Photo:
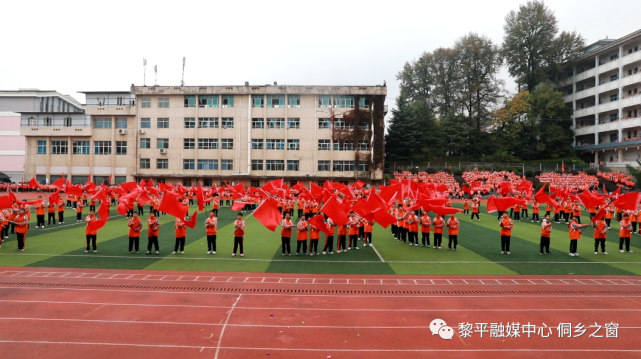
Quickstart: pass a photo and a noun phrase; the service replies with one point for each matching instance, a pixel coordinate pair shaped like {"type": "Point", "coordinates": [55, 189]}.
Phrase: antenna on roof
{"type": "Point", "coordinates": [156, 76]}
{"type": "Point", "coordinates": [182, 82]}
{"type": "Point", "coordinates": [144, 66]}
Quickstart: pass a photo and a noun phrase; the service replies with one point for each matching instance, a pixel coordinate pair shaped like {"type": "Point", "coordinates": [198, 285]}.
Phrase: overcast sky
{"type": "Point", "coordinates": [72, 46]}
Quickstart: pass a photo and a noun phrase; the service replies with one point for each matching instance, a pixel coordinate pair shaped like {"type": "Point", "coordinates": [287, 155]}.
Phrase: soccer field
{"type": "Point", "coordinates": [478, 251]}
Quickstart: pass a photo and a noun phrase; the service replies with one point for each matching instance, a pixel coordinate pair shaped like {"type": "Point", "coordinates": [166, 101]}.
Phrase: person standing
{"type": "Point", "coordinates": [329, 239]}
{"type": "Point", "coordinates": [475, 211]}
{"type": "Point", "coordinates": [524, 209]}
{"type": "Point", "coordinates": [439, 223]}
{"type": "Point", "coordinates": [353, 225]}
{"type": "Point", "coordinates": [609, 213]}
{"type": "Point", "coordinates": [40, 213]}
{"type": "Point", "coordinates": [286, 234]}
{"type": "Point", "coordinates": [92, 204]}
{"type": "Point", "coordinates": [368, 228]}
{"type": "Point", "coordinates": [634, 214]}
{"type": "Point", "coordinates": [535, 211]}
{"type": "Point", "coordinates": [452, 231]}
{"type": "Point", "coordinates": [61, 212]}
{"type": "Point", "coordinates": [301, 237]}
{"type": "Point", "coordinates": [135, 226]}
{"type": "Point", "coordinates": [314, 236]}
{"type": "Point", "coordinates": [181, 233]}
{"type": "Point", "coordinates": [575, 234]}
{"type": "Point", "coordinates": [79, 206]}
{"type": "Point", "coordinates": [21, 222]}
{"type": "Point", "coordinates": [412, 228]}
{"type": "Point", "coordinates": [624, 233]}
{"type": "Point", "coordinates": [141, 207]}
{"type": "Point", "coordinates": [576, 211]}
{"type": "Point", "coordinates": [400, 224]}
{"type": "Point", "coordinates": [91, 234]}
{"type": "Point", "coordinates": [51, 213]}
{"type": "Point", "coordinates": [153, 226]}
{"type": "Point", "coordinates": [342, 238]}
{"type": "Point", "coordinates": [215, 204]}
{"type": "Point", "coordinates": [211, 228]}
{"type": "Point", "coordinates": [239, 234]}
{"type": "Point", "coordinates": [506, 225]}
{"type": "Point", "coordinates": [600, 234]}
{"type": "Point", "coordinates": [466, 207]}
{"type": "Point", "coordinates": [426, 226]}
{"type": "Point", "coordinates": [546, 231]}
{"type": "Point", "coordinates": [4, 223]}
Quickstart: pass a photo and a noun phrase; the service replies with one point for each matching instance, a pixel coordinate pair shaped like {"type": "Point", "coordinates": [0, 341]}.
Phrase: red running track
{"type": "Point", "coordinates": [68, 313]}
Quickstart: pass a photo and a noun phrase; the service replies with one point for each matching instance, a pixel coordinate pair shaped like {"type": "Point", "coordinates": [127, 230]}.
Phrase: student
{"type": "Point", "coordinates": [412, 227]}
{"type": "Point", "coordinates": [353, 226]}
{"type": "Point", "coordinates": [301, 237]}
{"type": "Point", "coordinates": [506, 225]}
{"type": "Point", "coordinates": [367, 229]}
{"type": "Point", "coordinates": [79, 206]}
{"type": "Point", "coordinates": [342, 239]}
{"type": "Point", "coordinates": [40, 213]}
{"type": "Point", "coordinates": [535, 211]}
{"type": "Point", "coordinates": [51, 213]}
{"type": "Point", "coordinates": [524, 209]}
{"type": "Point", "coordinates": [21, 222]}
{"type": "Point", "coordinates": [141, 208]}
{"type": "Point", "coordinates": [314, 236]}
{"type": "Point", "coordinates": [475, 211]}
{"type": "Point", "coordinates": [466, 207]}
{"type": "Point", "coordinates": [576, 211]}
{"type": "Point", "coordinates": [624, 233]}
{"type": "Point", "coordinates": [329, 239]}
{"type": "Point", "coordinates": [211, 228]}
{"type": "Point", "coordinates": [400, 224]}
{"type": "Point", "coordinates": [181, 234]}
{"type": "Point", "coordinates": [600, 234]}
{"type": "Point", "coordinates": [548, 209]}
{"type": "Point", "coordinates": [239, 234]}
{"type": "Point", "coordinates": [575, 234]}
{"type": "Point", "coordinates": [91, 234]}
{"type": "Point", "coordinates": [426, 226]}
{"type": "Point", "coordinates": [608, 214]}
{"type": "Point", "coordinates": [61, 212]}
{"type": "Point", "coordinates": [286, 235]}
{"type": "Point", "coordinates": [153, 226]}
{"type": "Point", "coordinates": [215, 204]}
{"type": "Point", "coordinates": [633, 220]}
{"type": "Point", "coordinates": [3, 224]}
{"type": "Point", "coordinates": [92, 204]}
{"type": "Point", "coordinates": [452, 231]}
{"type": "Point", "coordinates": [439, 223]}
{"type": "Point", "coordinates": [517, 212]}
{"type": "Point", "coordinates": [135, 226]}
{"type": "Point", "coordinates": [546, 231]}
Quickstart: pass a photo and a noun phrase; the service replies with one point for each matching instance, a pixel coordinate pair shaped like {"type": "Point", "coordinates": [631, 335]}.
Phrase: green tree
{"type": "Point", "coordinates": [427, 131]}
{"type": "Point", "coordinates": [402, 141]}
{"type": "Point", "coordinates": [555, 122]}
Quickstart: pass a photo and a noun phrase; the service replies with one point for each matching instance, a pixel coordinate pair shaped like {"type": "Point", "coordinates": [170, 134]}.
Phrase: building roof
{"type": "Point", "coordinates": [29, 92]}
{"type": "Point", "coordinates": [607, 44]}
{"type": "Point", "coordinates": [99, 92]}
{"type": "Point", "coordinates": [262, 89]}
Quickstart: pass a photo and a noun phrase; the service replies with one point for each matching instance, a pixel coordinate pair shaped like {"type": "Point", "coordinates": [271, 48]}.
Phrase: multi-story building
{"type": "Point", "coordinates": [603, 89]}
{"type": "Point", "coordinates": [217, 134]}
{"type": "Point", "coordinates": [12, 143]}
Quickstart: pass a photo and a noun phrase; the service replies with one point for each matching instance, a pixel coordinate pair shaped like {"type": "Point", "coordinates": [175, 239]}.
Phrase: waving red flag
{"type": "Point", "coordinates": [165, 187]}
{"type": "Point", "coordinates": [170, 205]}
{"type": "Point", "coordinates": [268, 214]}
{"type": "Point", "coordinates": [383, 218]}
{"type": "Point", "coordinates": [358, 184]}
{"type": "Point", "coordinates": [375, 202]}
{"type": "Point", "coordinates": [600, 214]}
{"type": "Point", "coordinates": [5, 202]}
{"type": "Point", "coordinates": [590, 200]}
{"type": "Point", "coordinates": [33, 183]}
{"type": "Point", "coordinates": [362, 208]}
{"type": "Point", "coordinates": [616, 193]}
{"type": "Point", "coordinates": [238, 205]}
{"type": "Point", "coordinates": [334, 211]}
{"type": "Point", "coordinates": [54, 197]}
{"type": "Point", "coordinates": [103, 213]}
{"type": "Point", "coordinates": [543, 197]}
{"type": "Point", "coordinates": [524, 186]}
{"type": "Point", "coordinates": [73, 190]}
{"type": "Point", "coordinates": [318, 221]}
{"type": "Point", "coordinates": [629, 201]}
{"type": "Point", "coordinates": [191, 223]}
{"type": "Point", "coordinates": [200, 197]}
{"type": "Point", "coordinates": [442, 210]}
{"type": "Point", "coordinates": [59, 182]}
{"type": "Point", "coordinates": [317, 191]}
{"type": "Point", "coordinates": [143, 199]}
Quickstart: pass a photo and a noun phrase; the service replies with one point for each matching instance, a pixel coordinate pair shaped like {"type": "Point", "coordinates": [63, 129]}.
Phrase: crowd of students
{"type": "Point", "coordinates": [618, 178]}
{"type": "Point", "coordinates": [580, 181]}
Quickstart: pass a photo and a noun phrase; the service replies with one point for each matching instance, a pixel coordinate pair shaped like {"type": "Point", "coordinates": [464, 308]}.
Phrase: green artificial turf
{"type": "Point", "coordinates": [478, 251]}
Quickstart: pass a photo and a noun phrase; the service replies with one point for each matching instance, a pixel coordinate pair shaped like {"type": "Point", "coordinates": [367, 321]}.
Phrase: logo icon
{"type": "Point", "coordinates": [440, 328]}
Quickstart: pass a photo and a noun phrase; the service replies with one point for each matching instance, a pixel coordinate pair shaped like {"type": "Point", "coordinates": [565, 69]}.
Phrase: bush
{"type": "Point", "coordinates": [537, 173]}
{"type": "Point", "coordinates": [430, 170]}
{"type": "Point", "coordinates": [574, 172]}
{"type": "Point", "coordinates": [457, 172]}
{"type": "Point", "coordinates": [591, 172]}
{"type": "Point", "coordinates": [447, 170]}
{"type": "Point", "coordinates": [529, 173]}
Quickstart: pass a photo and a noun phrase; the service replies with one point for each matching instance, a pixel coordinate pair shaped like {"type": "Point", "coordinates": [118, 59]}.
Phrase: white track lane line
{"type": "Point", "coordinates": [222, 331]}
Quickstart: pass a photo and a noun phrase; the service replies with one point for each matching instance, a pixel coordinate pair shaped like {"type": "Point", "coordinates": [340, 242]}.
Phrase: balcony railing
{"type": "Point", "coordinates": [55, 122]}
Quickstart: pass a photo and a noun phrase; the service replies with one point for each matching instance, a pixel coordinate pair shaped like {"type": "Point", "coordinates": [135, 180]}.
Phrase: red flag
{"type": "Point", "coordinates": [442, 210]}
{"type": "Point", "coordinates": [101, 195]}
{"type": "Point", "coordinates": [383, 218]}
{"type": "Point", "coordinates": [129, 186]}
{"type": "Point", "coordinates": [103, 213]}
{"type": "Point", "coordinates": [33, 183]}
{"type": "Point", "coordinates": [318, 221]}
{"type": "Point", "coordinates": [600, 214]}
{"type": "Point", "coordinates": [376, 202]}
{"type": "Point", "coordinates": [505, 187]}
{"type": "Point", "coordinates": [12, 196]}
{"type": "Point", "coordinates": [143, 199]}
{"type": "Point", "coordinates": [268, 214]}
{"type": "Point", "coordinates": [165, 187]}
{"type": "Point", "coordinates": [111, 176]}
{"type": "Point", "coordinates": [170, 205]}
{"type": "Point", "coordinates": [150, 183]}
{"type": "Point", "coordinates": [590, 200]}
{"type": "Point", "coordinates": [334, 211]}
{"type": "Point", "coordinates": [387, 192]}
{"type": "Point", "coordinates": [73, 190]}
{"type": "Point", "coordinates": [328, 185]}
{"type": "Point", "coordinates": [238, 205]}
{"type": "Point", "coordinates": [89, 179]}
{"type": "Point", "coordinates": [5, 202]}
{"type": "Point", "coordinates": [362, 208]}
{"type": "Point", "coordinates": [347, 191]}
{"type": "Point", "coordinates": [616, 193]}
{"type": "Point", "coordinates": [142, 183]}
{"type": "Point", "coordinates": [524, 186]}
{"type": "Point", "coordinates": [191, 223]}
{"type": "Point", "coordinates": [200, 197]}
{"type": "Point", "coordinates": [629, 201]}
{"type": "Point", "coordinates": [122, 208]}
{"type": "Point", "coordinates": [55, 197]}
{"type": "Point", "coordinates": [543, 197]}
{"type": "Point", "coordinates": [442, 188]}
{"type": "Point", "coordinates": [358, 184]}
{"type": "Point", "coordinates": [59, 182]}
{"type": "Point", "coordinates": [476, 184]}
{"type": "Point", "coordinates": [317, 191]}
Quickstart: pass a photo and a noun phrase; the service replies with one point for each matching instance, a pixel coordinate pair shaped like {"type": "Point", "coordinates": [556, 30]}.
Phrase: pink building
{"type": "Point", "coordinates": [12, 147]}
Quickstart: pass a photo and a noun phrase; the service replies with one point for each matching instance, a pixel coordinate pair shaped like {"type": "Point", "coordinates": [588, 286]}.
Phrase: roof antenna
{"type": "Point", "coordinates": [182, 82]}
{"type": "Point", "coordinates": [144, 76]}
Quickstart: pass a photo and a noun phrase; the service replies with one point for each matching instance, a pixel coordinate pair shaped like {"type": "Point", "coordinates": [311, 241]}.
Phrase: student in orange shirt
{"type": "Point", "coordinates": [368, 228]}
{"type": "Point", "coordinates": [51, 213]}
{"type": "Point", "coordinates": [79, 206]}
{"type": "Point", "coordinates": [452, 231]}
{"type": "Point", "coordinates": [608, 214]}
{"type": "Point", "coordinates": [91, 234]}
{"type": "Point", "coordinates": [506, 225]}
{"type": "Point", "coordinates": [239, 234]}
{"type": "Point", "coordinates": [624, 233]}
{"type": "Point", "coordinates": [135, 226]}
{"type": "Point", "coordinates": [61, 212]}
{"type": "Point", "coordinates": [211, 228]}
{"type": "Point", "coordinates": [215, 204]}
{"type": "Point", "coordinates": [401, 228]}
{"type": "Point", "coordinates": [301, 237]}
{"type": "Point", "coordinates": [40, 213]}
{"type": "Point", "coordinates": [353, 226]}
{"type": "Point", "coordinates": [4, 224]}
{"type": "Point", "coordinates": [342, 239]}
{"type": "Point", "coordinates": [546, 232]}
{"type": "Point", "coordinates": [314, 236]}
{"type": "Point", "coordinates": [535, 211]}
{"type": "Point", "coordinates": [329, 239]}
{"type": "Point", "coordinates": [286, 234]}
{"type": "Point", "coordinates": [181, 234]}
{"type": "Point", "coordinates": [475, 211]}
{"type": "Point", "coordinates": [439, 223]}
{"type": "Point", "coordinates": [21, 222]}
{"type": "Point", "coordinates": [426, 226]}
{"type": "Point", "coordinates": [600, 234]}
{"type": "Point", "coordinates": [153, 226]}
{"type": "Point", "coordinates": [575, 230]}
{"type": "Point", "coordinates": [466, 207]}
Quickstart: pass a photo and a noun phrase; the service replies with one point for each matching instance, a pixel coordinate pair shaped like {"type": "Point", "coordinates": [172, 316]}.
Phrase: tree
{"type": "Point", "coordinates": [402, 141]}
{"type": "Point", "coordinates": [555, 122]}
{"type": "Point", "coordinates": [427, 131]}
{"type": "Point", "coordinates": [416, 78]}
{"type": "Point", "coordinates": [445, 69]}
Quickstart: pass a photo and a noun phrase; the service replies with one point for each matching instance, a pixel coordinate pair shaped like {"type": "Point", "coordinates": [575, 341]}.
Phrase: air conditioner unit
{"type": "Point", "coordinates": [142, 132]}
{"type": "Point", "coordinates": [163, 151]}
{"type": "Point", "coordinates": [122, 131]}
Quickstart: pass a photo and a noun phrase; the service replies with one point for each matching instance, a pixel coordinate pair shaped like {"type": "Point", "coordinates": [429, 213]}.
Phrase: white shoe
{"type": "Point", "coordinates": [324, 252]}
{"type": "Point", "coordinates": [331, 252]}
{"type": "Point", "coordinates": [213, 252]}
{"type": "Point", "coordinates": [621, 251]}
{"type": "Point", "coordinates": [95, 251]}
{"type": "Point", "coordinates": [576, 254]}
{"type": "Point", "coordinates": [509, 252]}
{"type": "Point", "coordinates": [157, 252]}
{"type": "Point", "coordinates": [502, 252]}
{"type": "Point", "coordinates": [174, 252]}
{"type": "Point", "coordinates": [596, 252]}
{"type": "Point", "coordinates": [605, 252]}
{"type": "Point", "coordinates": [182, 252]}
{"type": "Point", "coordinates": [242, 255]}
{"type": "Point", "coordinates": [86, 251]}
{"type": "Point", "coordinates": [208, 252]}
{"type": "Point", "coordinates": [356, 248]}
{"type": "Point", "coordinates": [571, 254]}
{"type": "Point", "coordinates": [439, 247]}
{"type": "Point", "coordinates": [233, 254]}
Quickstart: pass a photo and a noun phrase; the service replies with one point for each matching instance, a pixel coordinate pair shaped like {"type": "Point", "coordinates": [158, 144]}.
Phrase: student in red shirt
{"type": "Point", "coordinates": [153, 225]}
{"type": "Point", "coordinates": [301, 228]}
{"type": "Point", "coordinates": [342, 239]}
{"type": "Point", "coordinates": [368, 227]}
{"type": "Point", "coordinates": [91, 234]}
{"type": "Point", "coordinates": [452, 231]}
{"type": "Point", "coordinates": [239, 233]}
{"type": "Point", "coordinates": [546, 232]}
{"type": "Point", "coordinates": [600, 234]}
{"type": "Point", "coordinates": [135, 226]}
{"type": "Point", "coordinates": [329, 239]}
{"type": "Point", "coordinates": [353, 225]}
{"type": "Point", "coordinates": [506, 225]}
{"type": "Point", "coordinates": [286, 234]}
{"type": "Point", "coordinates": [181, 234]}
{"type": "Point", "coordinates": [21, 222]}
{"type": "Point", "coordinates": [575, 234]}
{"type": "Point", "coordinates": [314, 236]}
{"type": "Point", "coordinates": [211, 228]}
{"type": "Point", "coordinates": [426, 226]}
{"type": "Point", "coordinates": [40, 213]}
{"type": "Point", "coordinates": [624, 234]}
{"type": "Point", "coordinates": [51, 213]}
{"type": "Point", "coordinates": [439, 223]}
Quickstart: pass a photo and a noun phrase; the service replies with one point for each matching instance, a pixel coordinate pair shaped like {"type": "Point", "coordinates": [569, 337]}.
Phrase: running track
{"type": "Point", "coordinates": [64, 313]}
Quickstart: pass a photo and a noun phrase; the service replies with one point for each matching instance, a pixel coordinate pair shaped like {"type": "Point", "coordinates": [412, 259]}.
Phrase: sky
{"type": "Point", "coordinates": [72, 46]}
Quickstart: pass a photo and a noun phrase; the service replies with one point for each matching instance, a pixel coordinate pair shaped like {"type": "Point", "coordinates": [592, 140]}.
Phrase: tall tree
{"type": "Point", "coordinates": [445, 69]}
{"type": "Point", "coordinates": [555, 122]}
{"type": "Point", "coordinates": [402, 142]}
{"type": "Point", "coordinates": [416, 78]}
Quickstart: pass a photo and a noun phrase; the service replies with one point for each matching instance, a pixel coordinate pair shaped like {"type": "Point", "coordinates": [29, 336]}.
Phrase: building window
{"type": "Point", "coordinates": [258, 101]}
{"type": "Point", "coordinates": [346, 101]}
{"type": "Point", "coordinates": [162, 143]}
{"type": "Point", "coordinates": [80, 147]}
{"type": "Point", "coordinates": [275, 123]}
{"type": "Point", "coordinates": [101, 147]}
{"type": "Point", "coordinates": [257, 165]}
{"type": "Point", "coordinates": [227, 165]}
{"type": "Point", "coordinates": [188, 164]}
{"type": "Point", "coordinates": [121, 123]}
{"type": "Point", "coordinates": [49, 122]}
{"type": "Point", "coordinates": [324, 145]}
{"type": "Point", "coordinates": [190, 100]}
{"type": "Point", "coordinates": [293, 145]}
{"type": "Point", "coordinates": [145, 123]}
{"type": "Point", "coordinates": [292, 165]}
{"type": "Point", "coordinates": [363, 102]}
{"type": "Point", "coordinates": [59, 147]}
{"type": "Point", "coordinates": [101, 123]}
{"type": "Point", "coordinates": [146, 102]}
{"type": "Point", "coordinates": [228, 122]}
{"type": "Point", "coordinates": [228, 100]}
{"type": "Point", "coordinates": [258, 144]}
{"type": "Point", "coordinates": [163, 102]}
{"type": "Point", "coordinates": [118, 101]}
{"type": "Point", "coordinates": [227, 143]}
{"type": "Point", "coordinates": [276, 101]}
{"type": "Point", "coordinates": [614, 97]}
{"type": "Point", "coordinates": [293, 101]}
{"type": "Point", "coordinates": [162, 163]}
{"type": "Point", "coordinates": [344, 166]}
{"type": "Point", "coordinates": [275, 165]}
{"type": "Point", "coordinates": [207, 143]}
{"type": "Point", "coordinates": [363, 167]}
{"type": "Point", "coordinates": [207, 182]}
{"type": "Point", "coordinates": [324, 123]}
{"type": "Point", "coordinates": [163, 123]}
{"type": "Point", "coordinates": [207, 122]}
{"type": "Point", "coordinates": [189, 143]}
{"type": "Point", "coordinates": [258, 123]}
{"type": "Point", "coordinates": [275, 144]}
{"type": "Point", "coordinates": [340, 124]}
{"type": "Point", "coordinates": [293, 123]}
{"type": "Point", "coordinates": [145, 143]}
{"type": "Point", "coordinates": [614, 77]}
{"type": "Point", "coordinates": [208, 101]}
{"type": "Point", "coordinates": [255, 183]}
{"type": "Point", "coordinates": [363, 145]}
{"type": "Point", "coordinates": [613, 117]}
{"type": "Point", "coordinates": [343, 145]}
{"type": "Point", "coordinates": [190, 122]}
{"type": "Point", "coordinates": [324, 166]}
{"type": "Point", "coordinates": [363, 125]}
{"type": "Point", "coordinates": [145, 163]}
{"type": "Point", "coordinates": [42, 147]}
{"type": "Point", "coordinates": [325, 101]}
{"type": "Point", "coordinates": [121, 147]}
{"type": "Point", "coordinates": [187, 182]}
{"type": "Point", "coordinates": [68, 122]}
{"type": "Point", "coordinates": [207, 164]}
